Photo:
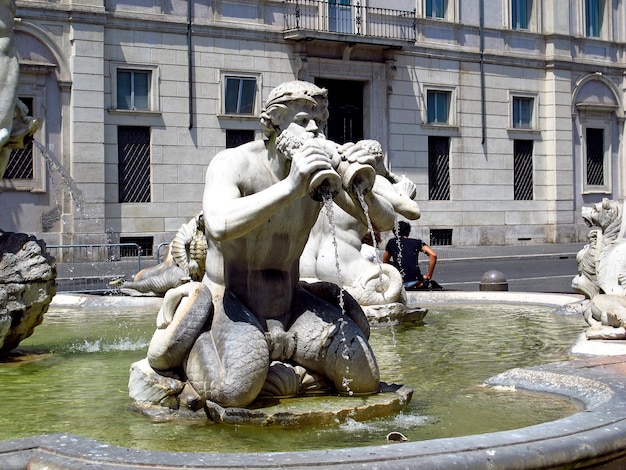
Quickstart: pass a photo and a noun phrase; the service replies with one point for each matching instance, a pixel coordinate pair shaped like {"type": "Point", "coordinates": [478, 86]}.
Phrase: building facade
{"type": "Point", "coordinates": [507, 114]}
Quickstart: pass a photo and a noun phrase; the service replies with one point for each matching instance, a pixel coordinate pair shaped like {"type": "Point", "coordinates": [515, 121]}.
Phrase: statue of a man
{"type": "Point", "coordinates": [258, 212]}
{"type": "Point", "coordinates": [9, 74]}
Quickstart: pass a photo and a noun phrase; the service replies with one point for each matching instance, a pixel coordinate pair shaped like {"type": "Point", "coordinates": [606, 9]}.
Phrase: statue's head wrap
{"type": "Point", "coordinates": [284, 94]}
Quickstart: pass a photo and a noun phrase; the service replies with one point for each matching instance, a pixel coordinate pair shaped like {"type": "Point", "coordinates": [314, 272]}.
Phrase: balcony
{"type": "Point", "coordinates": [334, 21]}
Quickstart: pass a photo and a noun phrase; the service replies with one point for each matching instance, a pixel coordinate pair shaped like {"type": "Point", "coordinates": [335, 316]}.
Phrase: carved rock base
{"type": "Point", "coordinates": [313, 410]}
{"type": "Point", "coordinates": [27, 286]}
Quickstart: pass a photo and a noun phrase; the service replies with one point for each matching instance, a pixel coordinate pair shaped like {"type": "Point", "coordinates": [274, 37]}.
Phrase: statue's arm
{"type": "Point", "coordinates": [399, 195]}
{"type": "Point", "coordinates": [231, 215]}
{"type": "Point", "coordinates": [379, 210]}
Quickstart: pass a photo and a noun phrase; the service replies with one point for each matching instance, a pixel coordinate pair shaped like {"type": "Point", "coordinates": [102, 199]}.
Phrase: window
{"type": "Point", "coordinates": [436, 8]}
{"type": "Point", "coordinates": [239, 95]}
{"type": "Point", "coordinates": [237, 137]}
{"type": "Point", "coordinates": [340, 16]}
{"type": "Point", "coordinates": [438, 168]}
{"type": "Point", "coordinates": [143, 243]}
{"type": "Point", "coordinates": [523, 112]}
{"type": "Point", "coordinates": [441, 237]}
{"type": "Point", "coordinates": [594, 13]}
{"type": "Point", "coordinates": [595, 167]}
{"type": "Point", "coordinates": [520, 14]}
{"type": "Point", "coordinates": [438, 107]}
{"type": "Point", "coordinates": [133, 89]}
{"type": "Point", "coordinates": [523, 170]}
{"type": "Point", "coordinates": [21, 160]}
{"type": "Point", "coordinates": [133, 163]}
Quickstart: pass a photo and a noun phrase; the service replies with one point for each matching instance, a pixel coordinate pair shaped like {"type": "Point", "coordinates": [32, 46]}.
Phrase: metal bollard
{"type": "Point", "coordinates": [493, 280]}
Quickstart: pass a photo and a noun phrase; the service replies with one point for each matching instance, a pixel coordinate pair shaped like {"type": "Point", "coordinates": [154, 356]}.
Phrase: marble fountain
{"type": "Point", "coordinates": [238, 324]}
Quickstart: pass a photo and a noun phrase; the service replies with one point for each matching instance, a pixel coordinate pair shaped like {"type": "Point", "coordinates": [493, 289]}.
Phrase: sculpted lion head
{"type": "Point", "coordinates": [606, 215]}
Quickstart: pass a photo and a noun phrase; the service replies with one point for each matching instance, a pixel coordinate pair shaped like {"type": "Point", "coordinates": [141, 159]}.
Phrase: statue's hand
{"type": "Point", "coordinates": [307, 160]}
{"type": "Point", "coordinates": [405, 187]}
{"type": "Point", "coordinates": [281, 344]}
{"type": "Point", "coordinates": [357, 153]}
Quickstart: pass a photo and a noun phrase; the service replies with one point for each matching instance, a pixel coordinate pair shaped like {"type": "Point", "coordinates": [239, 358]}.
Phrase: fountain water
{"type": "Point", "coordinates": [449, 394]}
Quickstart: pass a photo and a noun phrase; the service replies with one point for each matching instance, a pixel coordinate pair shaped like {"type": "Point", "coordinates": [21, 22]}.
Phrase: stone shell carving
{"type": "Point", "coordinates": [189, 248]}
{"type": "Point", "coordinates": [185, 261]}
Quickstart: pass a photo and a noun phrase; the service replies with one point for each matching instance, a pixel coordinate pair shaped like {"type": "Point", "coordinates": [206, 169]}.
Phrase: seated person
{"type": "Point", "coordinates": [403, 252]}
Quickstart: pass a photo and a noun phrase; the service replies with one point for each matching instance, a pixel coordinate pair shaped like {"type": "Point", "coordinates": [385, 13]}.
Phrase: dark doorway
{"type": "Point", "coordinates": [345, 105]}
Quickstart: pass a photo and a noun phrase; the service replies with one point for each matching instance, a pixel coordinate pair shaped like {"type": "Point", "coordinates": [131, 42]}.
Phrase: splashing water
{"type": "Point", "coordinates": [99, 345]}
{"type": "Point", "coordinates": [55, 167]}
{"type": "Point", "coordinates": [327, 200]}
{"type": "Point", "coordinates": [380, 288]}
{"type": "Point", "coordinates": [370, 227]}
{"type": "Point", "coordinates": [396, 229]}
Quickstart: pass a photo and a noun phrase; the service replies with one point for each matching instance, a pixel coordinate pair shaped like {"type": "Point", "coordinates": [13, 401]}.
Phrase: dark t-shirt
{"type": "Point", "coordinates": [404, 253]}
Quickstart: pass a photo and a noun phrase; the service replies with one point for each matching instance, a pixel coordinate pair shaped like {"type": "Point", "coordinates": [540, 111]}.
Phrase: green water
{"type": "Point", "coordinates": [76, 381]}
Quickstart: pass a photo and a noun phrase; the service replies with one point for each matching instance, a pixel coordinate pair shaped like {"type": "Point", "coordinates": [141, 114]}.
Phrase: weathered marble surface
{"type": "Point", "coordinates": [333, 250]}
{"type": "Point", "coordinates": [27, 286]}
{"type": "Point", "coordinates": [184, 261]}
{"type": "Point", "coordinates": [602, 270]}
{"type": "Point", "coordinates": [251, 328]}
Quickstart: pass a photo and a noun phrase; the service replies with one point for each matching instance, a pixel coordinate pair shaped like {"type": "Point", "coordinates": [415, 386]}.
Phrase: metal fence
{"type": "Point", "coordinates": [90, 268]}
{"type": "Point", "coordinates": [335, 17]}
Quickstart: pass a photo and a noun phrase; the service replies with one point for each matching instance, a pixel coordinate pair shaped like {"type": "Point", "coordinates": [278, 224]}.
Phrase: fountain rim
{"type": "Point", "coordinates": [593, 436]}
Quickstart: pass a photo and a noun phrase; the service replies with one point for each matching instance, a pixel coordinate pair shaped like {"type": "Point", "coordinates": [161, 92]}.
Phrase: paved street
{"type": "Point", "coordinates": [527, 268]}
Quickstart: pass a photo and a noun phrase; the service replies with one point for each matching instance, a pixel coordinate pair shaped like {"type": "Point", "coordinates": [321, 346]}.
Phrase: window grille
{"type": "Point", "coordinates": [145, 244]}
{"type": "Point", "coordinates": [21, 160]}
{"type": "Point", "coordinates": [133, 89]}
{"type": "Point", "coordinates": [239, 95]}
{"type": "Point", "coordinates": [20, 164]}
{"type": "Point", "coordinates": [436, 8]}
{"type": "Point", "coordinates": [438, 168]}
{"type": "Point", "coordinates": [438, 106]}
{"type": "Point", "coordinates": [523, 170]}
{"type": "Point", "coordinates": [520, 13]}
{"type": "Point", "coordinates": [133, 164]}
{"type": "Point", "coordinates": [441, 236]}
{"type": "Point", "coordinates": [595, 157]}
{"type": "Point", "coordinates": [237, 137]}
{"type": "Point", "coordinates": [522, 112]}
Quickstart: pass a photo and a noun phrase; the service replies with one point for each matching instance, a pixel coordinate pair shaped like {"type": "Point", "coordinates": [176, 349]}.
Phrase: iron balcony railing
{"type": "Point", "coordinates": [354, 20]}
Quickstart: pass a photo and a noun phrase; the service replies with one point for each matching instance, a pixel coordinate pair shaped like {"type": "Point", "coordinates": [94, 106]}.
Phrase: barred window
{"type": "Point", "coordinates": [523, 170]}
{"type": "Point", "coordinates": [438, 168]}
{"type": "Point", "coordinates": [143, 243]}
{"type": "Point", "coordinates": [239, 95]}
{"type": "Point", "coordinates": [440, 236]}
{"type": "Point", "coordinates": [133, 163]}
{"type": "Point", "coordinates": [595, 157]}
{"type": "Point", "coordinates": [21, 161]}
{"type": "Point", "coordinates": [237, 137]}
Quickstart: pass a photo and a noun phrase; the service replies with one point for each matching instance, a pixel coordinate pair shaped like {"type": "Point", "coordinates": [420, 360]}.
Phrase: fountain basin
{"type": "Point", "coordinates": [594, 437]}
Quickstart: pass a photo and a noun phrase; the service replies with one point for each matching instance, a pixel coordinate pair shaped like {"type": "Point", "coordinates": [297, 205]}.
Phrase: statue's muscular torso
{"type": "Point", "coordinates": [262, 266]}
